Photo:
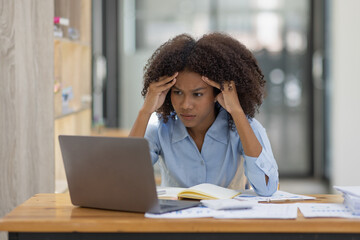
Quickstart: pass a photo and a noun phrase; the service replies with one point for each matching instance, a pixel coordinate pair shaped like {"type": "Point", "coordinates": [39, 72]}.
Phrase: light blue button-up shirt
{"type": "Point", "coordinates": [185, 166]}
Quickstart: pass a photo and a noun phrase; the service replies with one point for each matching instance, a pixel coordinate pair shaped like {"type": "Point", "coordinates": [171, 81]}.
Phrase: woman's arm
{"type": "Point", "coordinates": [154, 99]}
{"type": "Point", "coordinates": [250, 143]}
{"type": "Point", "coordinates": [139, 127]}
{"type": "Point", "coordinates": [229, 100]}
{"type": "Point", "coordinates": [263, 164]}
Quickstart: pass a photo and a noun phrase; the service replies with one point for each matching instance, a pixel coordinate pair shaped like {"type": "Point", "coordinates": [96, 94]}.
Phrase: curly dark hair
{"type": "Point", "coordinates": [217, 56]}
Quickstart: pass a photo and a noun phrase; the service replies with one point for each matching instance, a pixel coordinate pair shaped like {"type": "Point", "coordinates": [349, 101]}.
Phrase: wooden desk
{"type": "Point", "coordinates": [52, 216]}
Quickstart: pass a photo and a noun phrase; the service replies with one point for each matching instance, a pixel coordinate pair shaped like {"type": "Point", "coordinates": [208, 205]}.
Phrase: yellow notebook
{"type": "Point", "coordinates": [208, 191]}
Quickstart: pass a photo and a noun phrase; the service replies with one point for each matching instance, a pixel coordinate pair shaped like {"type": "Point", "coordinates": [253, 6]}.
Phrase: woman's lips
{"type": "Point", "coordinates": [187, 117]}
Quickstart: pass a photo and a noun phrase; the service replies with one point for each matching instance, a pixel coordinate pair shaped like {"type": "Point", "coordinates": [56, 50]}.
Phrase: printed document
{"type": "Point", "coordinates": [259, 211]}
{"type": "Point", "coordinates": [311, 210]}
{"type": "Point", "coordinates": [195, 212]}
{"type": "Point", "coordinates": [262, 211]}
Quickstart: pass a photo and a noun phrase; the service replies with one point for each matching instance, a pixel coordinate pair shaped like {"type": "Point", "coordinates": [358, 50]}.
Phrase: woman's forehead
{"type": "Point", "coordinates": [190, 81]}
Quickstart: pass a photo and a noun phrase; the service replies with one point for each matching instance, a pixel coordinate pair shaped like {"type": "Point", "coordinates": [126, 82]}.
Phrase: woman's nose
{"type": "Point", "coordinates": [186, 103]}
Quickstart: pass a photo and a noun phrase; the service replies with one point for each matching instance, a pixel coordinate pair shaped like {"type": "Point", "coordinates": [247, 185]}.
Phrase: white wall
{"type": "Point", "coordinates": [131, 64]}
{"type": "Point", "coordinates": [345, 92]}
{"type": "Point", "coordinates": [130, 89]}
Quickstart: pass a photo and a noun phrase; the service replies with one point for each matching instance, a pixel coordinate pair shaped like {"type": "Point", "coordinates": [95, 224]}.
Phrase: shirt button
{"type": "Point", "coordinates": [262, 165]}
{"type": "Point", "coordinates": [202, 162]}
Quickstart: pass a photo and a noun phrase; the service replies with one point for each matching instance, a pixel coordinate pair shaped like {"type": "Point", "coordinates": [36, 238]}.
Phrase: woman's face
{"type": "Point", "coordinates": [193, 101]}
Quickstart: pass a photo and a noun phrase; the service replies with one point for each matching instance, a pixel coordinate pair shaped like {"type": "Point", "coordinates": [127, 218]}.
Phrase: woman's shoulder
{"type": "Point", "coordinates": [254, 122]}
{"type": "Point", "coordinates": [256, 125]}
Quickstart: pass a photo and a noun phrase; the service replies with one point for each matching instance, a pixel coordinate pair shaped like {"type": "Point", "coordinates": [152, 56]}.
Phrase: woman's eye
{"type": "Point", "coordinates": [198, 94]}
{"type": "Point", "coordinates": [177, 92]}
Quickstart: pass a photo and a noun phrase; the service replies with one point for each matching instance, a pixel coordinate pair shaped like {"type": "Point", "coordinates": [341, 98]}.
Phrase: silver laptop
{"type": "Point", "coordinates": [113, 173]}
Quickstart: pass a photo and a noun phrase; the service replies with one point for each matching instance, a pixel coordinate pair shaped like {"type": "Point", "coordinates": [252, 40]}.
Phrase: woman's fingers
{"type": "Point", "coordinates": [156, 94]}
{"type": "Point", "coordinates": [167, 86]}
{"type": "Point", "coordinates": [229, 86]}
{"type": "Point", "coordinates": [210, 82]}
{"type": "Point", "coordinates": [164, 83]}
{"type": "Point", "coordinates": [166, 79]}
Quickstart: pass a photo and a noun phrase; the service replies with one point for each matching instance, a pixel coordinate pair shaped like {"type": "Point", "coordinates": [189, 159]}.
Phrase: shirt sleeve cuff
{"type": "Point", "coordinates": [257, 168]}
{"type": "Point", "coordinates": [263, 162]}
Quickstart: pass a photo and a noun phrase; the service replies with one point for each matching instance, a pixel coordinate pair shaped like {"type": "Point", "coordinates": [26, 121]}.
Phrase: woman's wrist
{"type": "Point", "coordinates": [237, 112]}
{"type": "Point", "coordinates": [145, 112]}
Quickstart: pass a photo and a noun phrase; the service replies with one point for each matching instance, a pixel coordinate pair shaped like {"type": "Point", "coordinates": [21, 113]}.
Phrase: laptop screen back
{"type": "Point", "coordinates": [109, 173]}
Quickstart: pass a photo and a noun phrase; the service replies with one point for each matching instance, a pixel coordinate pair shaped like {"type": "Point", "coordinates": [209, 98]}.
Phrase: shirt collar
{"type": "Point", "coordinates": [218, 130]}
{"type": "Point", "coordinates": [179, 131]}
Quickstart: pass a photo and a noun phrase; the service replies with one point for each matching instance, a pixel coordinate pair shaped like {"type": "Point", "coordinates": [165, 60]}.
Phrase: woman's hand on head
{"type": "Point", "coordinates": [157, 92]}
{"type": "Point", "coordinates": [228, 97]}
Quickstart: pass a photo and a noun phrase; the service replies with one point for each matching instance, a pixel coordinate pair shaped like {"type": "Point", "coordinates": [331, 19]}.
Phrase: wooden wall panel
{"type": "Point", "coordinates": [85, 22]}
{"type": "Point", "coordinates": [26, 101]}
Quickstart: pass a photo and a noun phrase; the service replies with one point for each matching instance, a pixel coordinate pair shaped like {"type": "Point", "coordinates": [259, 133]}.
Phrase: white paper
{"type": "Point", "coordinates": [250, 194]}
{"type": "Point", "coordinates": [262, 211]}
{"type": "Point", "coordinates": [312, 210]}
{"type": "Point", "coordinates": [228, 204]}
{"type": "Point", "coordinates": [351, 196]}
{"type": "Point", "coordinates": [195, 212]}
{"type": "Point", "coordinates": [351, 190]}
{"type": "Point", "coordinates": [353, 203]}
{"type": "Point", "coordinates": [259, 211]}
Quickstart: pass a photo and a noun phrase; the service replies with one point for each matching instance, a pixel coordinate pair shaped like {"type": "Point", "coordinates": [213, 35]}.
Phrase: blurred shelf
{"type": "Point", "coordinates": [72, 112]}
{"type": "Point", "coordinates": [67, 40]}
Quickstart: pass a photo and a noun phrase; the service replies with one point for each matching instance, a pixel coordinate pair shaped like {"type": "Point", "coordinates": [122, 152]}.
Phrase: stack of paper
{"type": "Point", "coordinates": [351, 197]}
{"type": "Point", "coordinates": [244, 206]}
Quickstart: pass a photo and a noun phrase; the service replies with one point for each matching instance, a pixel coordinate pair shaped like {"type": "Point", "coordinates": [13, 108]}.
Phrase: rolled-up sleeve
{"type": "Point", "coordinates": [264, 164]}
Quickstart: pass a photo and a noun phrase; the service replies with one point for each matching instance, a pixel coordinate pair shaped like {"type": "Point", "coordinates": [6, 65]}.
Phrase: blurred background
{"type": "Point", "coordinates": [290, 40]}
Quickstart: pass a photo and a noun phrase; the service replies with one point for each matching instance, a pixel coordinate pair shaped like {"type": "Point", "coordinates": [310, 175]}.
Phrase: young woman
{"type": "Point", "coordinates": [206, 94]}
